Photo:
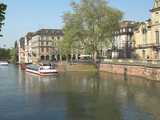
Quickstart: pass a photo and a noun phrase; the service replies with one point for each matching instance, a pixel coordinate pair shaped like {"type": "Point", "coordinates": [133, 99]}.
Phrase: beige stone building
{"type": "Point", "coordinates": [21, 50]}
{"type": "Point", "coordinates": [44, 45]}
{"type": "Point", "coordinates": [147, 36]}
{"type": "Point", "coordinates": [40, 46]}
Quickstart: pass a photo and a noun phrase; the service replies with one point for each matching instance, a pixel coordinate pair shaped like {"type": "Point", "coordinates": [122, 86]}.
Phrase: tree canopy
{"type": "Point", "coordinates": [90, 25]}
{"type": "Point", "coordinates": [4, 54]}
{"type": "Point", "coordinates": [3, 8]}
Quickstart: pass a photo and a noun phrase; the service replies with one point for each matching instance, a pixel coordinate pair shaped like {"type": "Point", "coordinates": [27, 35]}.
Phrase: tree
{"type": "Point", "coordinates": [4, 54]}
{"type": "Point", "coordinates": [13, 55]}
{"type": "Point", "coordinates": [91, 24]}
{"type": "Point", "coordinates": [73, 33]}
{"type": "Point", "coordinates": [2, 15]}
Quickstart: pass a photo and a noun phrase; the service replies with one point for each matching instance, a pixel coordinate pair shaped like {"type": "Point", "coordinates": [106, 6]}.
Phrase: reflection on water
{"type": "Point", "coordinates": [77, 96]}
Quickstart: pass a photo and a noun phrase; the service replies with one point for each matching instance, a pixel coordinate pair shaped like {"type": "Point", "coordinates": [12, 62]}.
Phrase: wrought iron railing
{"type": "Point", "coordinates": [146, 63]}
{"type": "Point", "coordinates": [148, 45]}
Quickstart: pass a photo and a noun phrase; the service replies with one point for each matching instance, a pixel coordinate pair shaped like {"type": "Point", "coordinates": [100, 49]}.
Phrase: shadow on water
{"type": "Point", "coordinates": [78, 96]}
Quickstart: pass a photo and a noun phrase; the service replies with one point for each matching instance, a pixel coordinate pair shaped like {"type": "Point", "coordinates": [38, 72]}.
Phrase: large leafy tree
{"type": "Point", "coordinates": [90, 25]}
{"type": "Point", "coordinates": [2, 15]}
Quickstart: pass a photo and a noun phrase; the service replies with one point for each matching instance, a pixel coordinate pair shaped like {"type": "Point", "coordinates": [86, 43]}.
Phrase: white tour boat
{"type": "Point", "coordinates": [3, 63]}
{"type": "Point", "coordinates": [41, 70]}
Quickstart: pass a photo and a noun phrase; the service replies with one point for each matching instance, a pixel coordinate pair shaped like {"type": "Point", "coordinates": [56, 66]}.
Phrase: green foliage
{"type": "Point", "coordinates": [3, 8]}
{"type": "Point", "coordinates": [90, 25]}
{"type": "Point", "coordinates": [13, 55]}
{"type": "Point", "coordinates": [4, 54]}
{"type": "Point", "coordinates": [8, 54]}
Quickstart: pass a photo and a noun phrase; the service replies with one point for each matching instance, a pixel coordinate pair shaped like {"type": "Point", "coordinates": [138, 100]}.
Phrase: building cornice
{"type": "Point", "coordinates": [152, 25]}
{"type": "Point", "coordinates": [155, 9]}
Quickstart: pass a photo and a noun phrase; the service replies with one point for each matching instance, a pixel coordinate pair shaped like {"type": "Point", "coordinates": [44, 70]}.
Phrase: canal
{"type": "Point", "coordinates": [76, 96]}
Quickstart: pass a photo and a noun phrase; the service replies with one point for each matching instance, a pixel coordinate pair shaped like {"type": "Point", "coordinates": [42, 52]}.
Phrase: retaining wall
{"type": "Point", "coordinates": [140, 71]}
{"type": "Point", "coordinates": [76, 67]}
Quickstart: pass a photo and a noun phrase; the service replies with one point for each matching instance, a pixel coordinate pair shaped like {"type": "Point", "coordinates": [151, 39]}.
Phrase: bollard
{"type": "Point", "coordinates": [125, 73]}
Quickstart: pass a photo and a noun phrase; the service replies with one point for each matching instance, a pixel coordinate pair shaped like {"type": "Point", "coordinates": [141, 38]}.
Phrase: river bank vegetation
{"type": "Point", "coordinates": [8, 54]}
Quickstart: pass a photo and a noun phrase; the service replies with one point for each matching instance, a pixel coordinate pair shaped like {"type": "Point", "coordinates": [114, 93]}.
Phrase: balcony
{"type": "Point", "coordinates": [151, 45]}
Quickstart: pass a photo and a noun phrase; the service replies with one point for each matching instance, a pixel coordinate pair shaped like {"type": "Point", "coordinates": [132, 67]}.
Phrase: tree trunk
{"type": "Point", "coordinates": [95, 56]}
{"type": "Point", "coordinates": [76, 57]}
{"type": "Point", "coordinates": [60, 58]}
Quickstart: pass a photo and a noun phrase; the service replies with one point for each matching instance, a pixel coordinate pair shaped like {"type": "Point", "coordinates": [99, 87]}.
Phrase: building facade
{"type": "Point", "coordinates": [40, 46]}
{"type": "Point", "coordinates": [122, 40]}
{"type": "Point", "coordinates": [147, 36]}
{"type": "Point", "coordinates": [21, 50]}
{"type": "Point", "coordinates": [44, 45]}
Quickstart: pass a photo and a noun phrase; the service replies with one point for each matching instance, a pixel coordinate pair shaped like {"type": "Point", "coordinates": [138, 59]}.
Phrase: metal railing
{"type": "Point", "coordinates": [148, 45]}
{"type": "Point", "coordinates": [145, 63]}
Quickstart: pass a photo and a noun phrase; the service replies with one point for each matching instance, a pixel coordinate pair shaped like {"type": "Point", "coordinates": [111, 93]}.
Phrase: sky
{"type": "Point", "coordinates": [24, 16]}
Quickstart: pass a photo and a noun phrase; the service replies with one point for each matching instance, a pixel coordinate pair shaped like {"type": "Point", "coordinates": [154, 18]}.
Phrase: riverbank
{"type": "Point", "coordinates": [62, 67]}
{"type": "Point", "coordinates": [146, 71]}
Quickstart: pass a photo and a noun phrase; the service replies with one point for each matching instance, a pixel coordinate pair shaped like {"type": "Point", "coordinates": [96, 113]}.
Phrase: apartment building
{"type": "Point", "coordinates": [122, 40]}
{"type": "Point", "coordinates": [40, 46]}
{"type": "Point", "coordinates": [147, 36]}
{"type": "Point", "coordinates": [21, 50]}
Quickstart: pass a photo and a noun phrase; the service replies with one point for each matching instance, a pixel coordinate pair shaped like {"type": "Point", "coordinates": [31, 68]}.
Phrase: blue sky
{"type": "Point", "coordinates": [30, 15]}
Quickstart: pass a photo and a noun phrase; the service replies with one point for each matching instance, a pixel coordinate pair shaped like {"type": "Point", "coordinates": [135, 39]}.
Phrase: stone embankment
{"type": "Point", "coordinates": [62, 67]}
{"type": "Point", "coordinates": [149, 71]}
{"type": "Point", "coordinates": [152, 73]}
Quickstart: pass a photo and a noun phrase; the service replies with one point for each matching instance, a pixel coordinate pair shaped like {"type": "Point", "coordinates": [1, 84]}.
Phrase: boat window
{"type": "Point", "coordinates": [41, 68]}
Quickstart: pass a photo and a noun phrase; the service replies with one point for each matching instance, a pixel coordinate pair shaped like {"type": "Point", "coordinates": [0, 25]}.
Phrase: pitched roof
{"type": "Point", "coordinates": [22, 40]}
{"type": "Point", "coordinates": [49, 32]}
{"type": "Point", "coordinates": [29, 35]}
{"type": "Point", "coordinates": [127, 24]}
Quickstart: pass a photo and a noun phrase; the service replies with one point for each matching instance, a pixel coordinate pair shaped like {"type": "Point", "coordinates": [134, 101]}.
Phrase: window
{"type": "Point", "coordinates": [42, 49]}
{"type": "Point", "coordinates": [124, 30]}
{"type": "Point", "coordinates": [42, 57]}
{"type": "Point", "coordinates": [47, 57]}
{"type": "Point", "coordinates": [157, 37]}
{"type": "Point", "coordinates": [42, 43]}
{"type": "Point", "coordinates": [44, 38]}
{"type": "Point", "coordinates": [46, 43]}
{"type": "Point", "coordinates": [156, 22]}
{"type": "Point", "coordinates": [47, 49]}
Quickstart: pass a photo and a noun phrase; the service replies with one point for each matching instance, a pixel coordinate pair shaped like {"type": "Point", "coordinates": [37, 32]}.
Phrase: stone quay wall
{"type": "Point", "coordinates": [140, 71]}
{"type": "Point", "coordinates": [64, 67]}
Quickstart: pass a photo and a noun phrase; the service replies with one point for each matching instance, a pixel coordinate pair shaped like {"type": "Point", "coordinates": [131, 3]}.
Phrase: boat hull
{"type": "Point", "coordinates": [3, 63]}
{"type": "Point", "coordinates": [42, 73]}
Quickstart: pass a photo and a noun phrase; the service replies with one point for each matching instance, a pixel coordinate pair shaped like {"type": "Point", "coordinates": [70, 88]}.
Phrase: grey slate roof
{"type": "Point", "coordinates": [22, 40]}
{"type": "Point", "coordinates": [49, 32]}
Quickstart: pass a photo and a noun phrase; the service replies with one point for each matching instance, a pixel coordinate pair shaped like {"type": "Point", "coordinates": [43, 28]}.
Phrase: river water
{"type": "Point", "coordinates": [76, 96]}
